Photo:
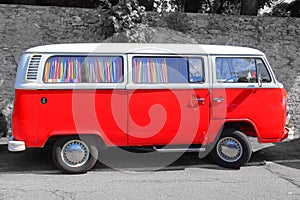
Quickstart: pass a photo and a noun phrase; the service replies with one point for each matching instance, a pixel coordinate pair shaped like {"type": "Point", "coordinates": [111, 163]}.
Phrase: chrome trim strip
{"type": "Point", "coordinates": [169, 150]}
{"type": "Point", "coordinates": [168, 86]}
{"type": "Point", "coordinates": [245, 85]}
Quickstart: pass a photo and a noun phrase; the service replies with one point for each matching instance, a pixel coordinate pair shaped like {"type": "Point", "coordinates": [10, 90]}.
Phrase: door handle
{"type": "Point", "coordinates": [218, 99]}
{"type": "Point", "coordinates": [201, 100]}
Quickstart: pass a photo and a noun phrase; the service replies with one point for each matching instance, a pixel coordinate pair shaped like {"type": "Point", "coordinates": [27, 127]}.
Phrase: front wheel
{"type": "Point", "coordinates": [232, 150]}
{"type": "Point", "coordinates": [75, 154]}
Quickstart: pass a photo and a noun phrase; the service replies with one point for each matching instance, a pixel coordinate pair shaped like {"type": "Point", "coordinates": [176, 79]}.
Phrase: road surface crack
{"type": "Point", "coordinates": [283, 177]}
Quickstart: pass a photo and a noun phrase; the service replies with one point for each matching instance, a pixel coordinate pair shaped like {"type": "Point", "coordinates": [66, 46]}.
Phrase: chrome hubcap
{"type": "Point", "coordinates": [75, 153]}
{"type": "Point", "coordinates": [229, 149]}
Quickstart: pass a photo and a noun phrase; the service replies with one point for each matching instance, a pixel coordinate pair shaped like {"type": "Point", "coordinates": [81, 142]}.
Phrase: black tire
{"type": "Point", "coordinates": [232, 150]}
{"type": "Point", "coordinates": [75, 154]}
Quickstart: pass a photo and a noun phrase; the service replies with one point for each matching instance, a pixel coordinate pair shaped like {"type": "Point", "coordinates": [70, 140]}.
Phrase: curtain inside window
{"type": "Point", "coordinates": [150, 70]}
{"type": "Point", "coordinates": [62, 69]}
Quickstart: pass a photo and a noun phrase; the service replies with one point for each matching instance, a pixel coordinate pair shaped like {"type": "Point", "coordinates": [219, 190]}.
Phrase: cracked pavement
{"type": "Point", "coordinates": [272, 173]}
{"type": "Point", "coordinates": [270, 181]}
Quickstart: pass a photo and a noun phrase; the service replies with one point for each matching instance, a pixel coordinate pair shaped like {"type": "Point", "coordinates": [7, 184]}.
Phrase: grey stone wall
{"type": "Point", "coordinates": [278, 38]}
{"type": "Point", "coordinates": [22, 27]}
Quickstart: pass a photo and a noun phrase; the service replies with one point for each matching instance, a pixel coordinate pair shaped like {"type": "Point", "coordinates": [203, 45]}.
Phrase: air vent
{"type": "Point", "coordinates": [33, 67]}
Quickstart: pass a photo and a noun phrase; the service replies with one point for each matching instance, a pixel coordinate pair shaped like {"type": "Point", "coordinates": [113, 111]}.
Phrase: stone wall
{"type": "Point", "coordinates": [278, 38]}
{"type": "Point", "coordinates": [22, 27]}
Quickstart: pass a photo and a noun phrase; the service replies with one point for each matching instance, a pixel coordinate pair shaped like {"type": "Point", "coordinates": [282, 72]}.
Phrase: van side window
{"type": "Point", "coordinates": [262, 71]}
{"type": "Point", "coordinates": [84, 69]}
{"type": "Point", "coordinates": [196, 70]}
{"type": "Point", "coordinates": [167, 70]}
{"type": "Point", "coordinates": [241, 70]}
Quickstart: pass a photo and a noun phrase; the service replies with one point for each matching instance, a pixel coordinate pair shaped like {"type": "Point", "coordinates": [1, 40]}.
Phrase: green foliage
{"type": "Point", "coordinates": [193, 6]}
{"type": "Point", "coordinates": [280, 10]}
{"type": "Point", "coordinates": [291, 9]}
{"type": "Point", "coordinates": [230, 7]}
{"type": "Point", "coordinates": [161, 6]}
{"type": "Point", "coordinates": [148, 4]}
{"type": "Point", "coordinates": [103, 3]}
{"type": "Point", "coordinates": [268, 3]}
{"type": "Point", "coordinates": [295, 8]}
{"type": "Point", "coordinates": [177, 21]}
{"type": "Point", "coordinates": [128, 18]}
{"type": "Point", "coordinates": [233, 7]}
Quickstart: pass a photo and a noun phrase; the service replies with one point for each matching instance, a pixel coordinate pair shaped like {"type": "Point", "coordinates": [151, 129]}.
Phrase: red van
{"type": "Point", "coordinates": [168, 97]}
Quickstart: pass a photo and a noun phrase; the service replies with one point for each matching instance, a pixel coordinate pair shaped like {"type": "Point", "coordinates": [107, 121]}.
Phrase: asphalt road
{"type": "Point", "coordinates": [272, 173]}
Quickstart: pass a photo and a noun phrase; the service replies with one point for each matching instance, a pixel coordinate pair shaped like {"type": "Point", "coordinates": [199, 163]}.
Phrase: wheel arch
{"type": "Point", "coordinates": [95, 137]}
{"type": "Point", "coordinates": [246, 126]}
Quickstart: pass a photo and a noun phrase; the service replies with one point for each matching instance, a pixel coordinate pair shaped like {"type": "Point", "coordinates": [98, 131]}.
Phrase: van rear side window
{"type": "Point", "coordinates": [167, 70]}
{"type": "Point", "coordinates": [241, 70]}
{"type": "Point", "coordinates": [83, 69]}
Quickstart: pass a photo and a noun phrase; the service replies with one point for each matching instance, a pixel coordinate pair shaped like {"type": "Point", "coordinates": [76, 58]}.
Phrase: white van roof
{"type": "Point", "coordinates": [136, 48]}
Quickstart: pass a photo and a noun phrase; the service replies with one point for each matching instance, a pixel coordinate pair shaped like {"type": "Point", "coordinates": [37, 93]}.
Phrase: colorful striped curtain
{"type": "Point", "coordinates": [150, 70]}
{"type": "Point", "coordinates": [93, 69]}
{"type": "Point", "coordinates": [160, 70]}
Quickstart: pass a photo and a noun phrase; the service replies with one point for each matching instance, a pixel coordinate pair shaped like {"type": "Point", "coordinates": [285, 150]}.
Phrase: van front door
{"type": "Point", "coordinates": [168, 100]}
{"type": "Point", "coordinates": [250, 93]}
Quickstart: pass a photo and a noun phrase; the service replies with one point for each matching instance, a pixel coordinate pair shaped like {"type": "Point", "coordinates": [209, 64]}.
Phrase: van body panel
{"type": "Point", "coordinates": [167, 117]}
{"type": "Point", "coordinates": [255, 105]}
{"type": "Point", "coordinates": [24, 117]}
{"type": "Point", "coordinates": [83, 112]}
{"type": "Point", "coordinates": [69, 112]}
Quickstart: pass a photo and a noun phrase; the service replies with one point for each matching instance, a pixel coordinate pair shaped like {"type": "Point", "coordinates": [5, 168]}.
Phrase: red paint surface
{"type": "Point", "coordinates": [160, 117]}
{"type": "Point", "coordinates": [265, 108]}
{"type": "Point", "coordinates": [146, 117]}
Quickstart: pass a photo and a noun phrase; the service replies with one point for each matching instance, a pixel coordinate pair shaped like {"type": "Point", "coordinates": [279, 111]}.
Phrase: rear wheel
{"type": "Point", "coordinates": [75, 154]}
{"type": "Point", "coordinates": [232, 150]}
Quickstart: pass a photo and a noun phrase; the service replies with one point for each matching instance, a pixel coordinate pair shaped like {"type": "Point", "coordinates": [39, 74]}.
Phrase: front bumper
{"type": "Point", "coordinates": [285, 133]}
{"type": "Point", "coordinates": [15, 146]}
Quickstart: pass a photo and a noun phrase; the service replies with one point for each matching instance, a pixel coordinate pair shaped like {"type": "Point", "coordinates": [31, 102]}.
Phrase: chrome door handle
{"type": "Point", "coordinates": [201, 100]}
{"type": "Point", "coordinates": [219, 99]}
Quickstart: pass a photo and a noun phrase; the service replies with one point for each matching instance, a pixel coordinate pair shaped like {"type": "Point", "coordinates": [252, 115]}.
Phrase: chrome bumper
{"type": "Point", "coordinates": [15, 146]}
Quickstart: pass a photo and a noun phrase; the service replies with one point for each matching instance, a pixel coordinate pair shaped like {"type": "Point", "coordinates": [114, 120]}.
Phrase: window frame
{"type": "Point", "coordinates": [243, 84]}
{"type": "Point", "coordinates": [83, 57]}
{"type": "Point", "coordinates": [81, 86]}
{"type": "Point", "coordinates": [185, 57]}
{"type": "Point", "coordinates": [170, 86]}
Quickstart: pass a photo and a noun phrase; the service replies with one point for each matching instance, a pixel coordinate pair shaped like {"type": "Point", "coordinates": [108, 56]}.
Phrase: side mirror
{"type": "Point", "coordinates": [259, 80]}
